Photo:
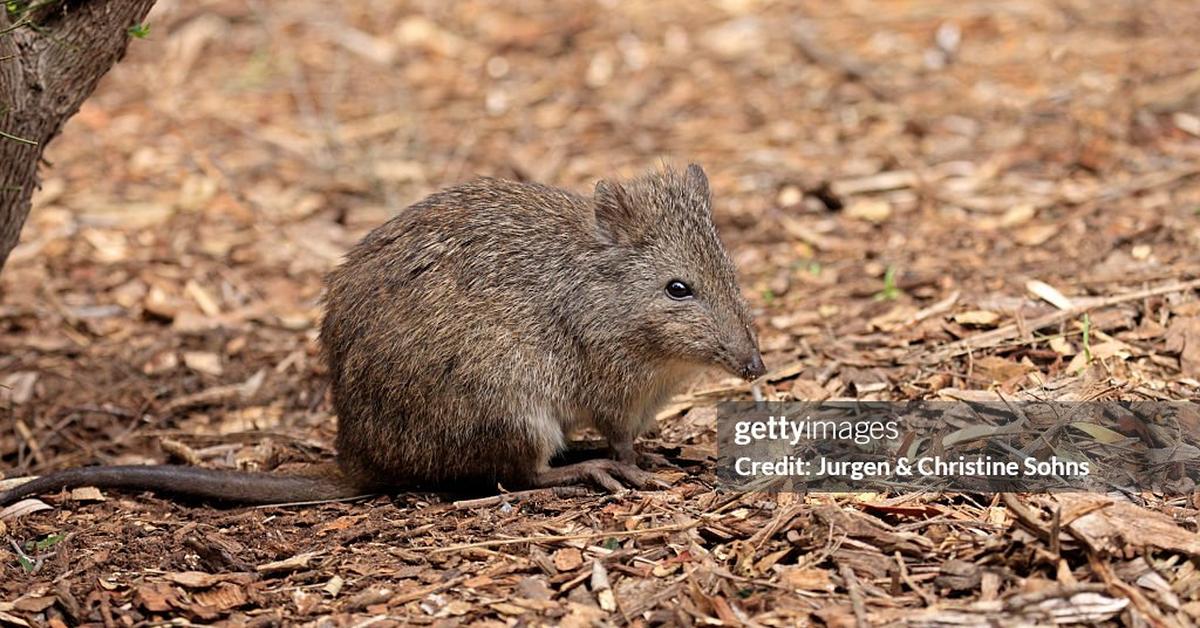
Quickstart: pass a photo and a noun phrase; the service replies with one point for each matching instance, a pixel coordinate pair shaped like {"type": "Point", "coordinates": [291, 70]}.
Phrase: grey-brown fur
{"type": "Point", "coordinates": [470, 334]}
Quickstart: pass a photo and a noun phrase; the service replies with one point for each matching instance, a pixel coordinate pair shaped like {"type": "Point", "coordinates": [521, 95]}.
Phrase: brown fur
{"type": "Point", "coordinates": [470, 334]}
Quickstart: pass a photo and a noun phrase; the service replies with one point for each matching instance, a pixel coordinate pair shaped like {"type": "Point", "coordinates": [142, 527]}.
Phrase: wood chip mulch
{"type": "Point", "coordinates": [933, 200]}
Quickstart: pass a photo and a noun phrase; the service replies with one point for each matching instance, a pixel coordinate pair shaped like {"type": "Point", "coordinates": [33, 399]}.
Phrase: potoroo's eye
{"type": "Point", "coordinates": [678, 290]}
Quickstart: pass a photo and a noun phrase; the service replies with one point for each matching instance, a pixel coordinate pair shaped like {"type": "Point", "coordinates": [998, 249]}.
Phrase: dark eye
{"type": "Point", "coordinates": [678, 290]}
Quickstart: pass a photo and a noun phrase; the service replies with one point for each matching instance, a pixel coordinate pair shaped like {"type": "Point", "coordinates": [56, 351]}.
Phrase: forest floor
{"type": "Point", "coordinates": [889, 176]}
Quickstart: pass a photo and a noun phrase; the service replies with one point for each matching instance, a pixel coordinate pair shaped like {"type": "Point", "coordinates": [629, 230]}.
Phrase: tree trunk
{"type": "Point", "coordinates": [52, 55]}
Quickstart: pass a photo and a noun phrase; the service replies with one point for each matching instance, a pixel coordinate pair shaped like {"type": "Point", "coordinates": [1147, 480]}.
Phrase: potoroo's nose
{"type": "Point", "coordinates": [753, 368]}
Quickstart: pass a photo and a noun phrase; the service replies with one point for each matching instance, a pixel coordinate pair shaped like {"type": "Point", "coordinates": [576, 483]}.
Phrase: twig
{"type": "Point", "coordinates": [405, 598]}
{"type": "Point", "coordinates": [926, 596]}
{"type": "Point", "coordinates": [940, 307]}
{"type": "Point", "coordinates": [30, 441]}
{"type": "Point", "coordinates": [947, 521]}
{"type": "Point", "coordinates": [107, 408]}
{"type": "Point", "coordinates": [1025, 516]}
{"type": "Point", "coordinates": [1120, 588]}
{"type": "Point", "coordinates": [554, 491]}
{"type": "Point", "coordinates": [1012, 330]}
{"type": "Point", "coordinates": [1176, 272]}
{"type": "Point", "coordinates": [429, 590]}
{"type": "Point", "coordinates": [1145, 183]}
{"type": "Point", "coordinates": [778, 522]}
{"type": "Point", "coordinates": [637, 608]}
{"type": "Point", "coordinates": [1056, 532]}
{"type": "Point", "coordinates": [336, 500]}
{"type": "Point", "coordinates": [14, 138]}
{"type": "Point", "coordinates": [32, 563]}
{"type": "Point", "coordinates": [17, 26]}
{"type": "Point", "coordinates": [850, 581]}
{"type": "Point", "coordinates": [568, 537]}
{"type": "Point", "coordinates": [1023, 600]}
{"type": "Point", "coordinates": [20, 552]}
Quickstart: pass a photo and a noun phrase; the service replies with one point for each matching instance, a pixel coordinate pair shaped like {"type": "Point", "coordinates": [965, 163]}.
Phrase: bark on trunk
{"type": "Point", "coordinates": [52, 55]}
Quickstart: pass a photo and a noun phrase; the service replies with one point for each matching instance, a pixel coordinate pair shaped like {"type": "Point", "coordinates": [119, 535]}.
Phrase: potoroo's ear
{"type": "Point", "coordinates": [696, 186]}
{"type": "Point", "coordinates": [616, 215]}
{"type": "Point", "coordinates": [697, 181]}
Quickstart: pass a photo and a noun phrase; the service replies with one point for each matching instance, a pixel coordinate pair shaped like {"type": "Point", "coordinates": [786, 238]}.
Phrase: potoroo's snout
{"type": "Point", "coordinates": [752, 366]}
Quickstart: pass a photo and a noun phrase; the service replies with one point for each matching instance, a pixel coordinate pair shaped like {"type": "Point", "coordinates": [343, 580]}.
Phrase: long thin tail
{"type": "Point", "coordinates": [202, 484]}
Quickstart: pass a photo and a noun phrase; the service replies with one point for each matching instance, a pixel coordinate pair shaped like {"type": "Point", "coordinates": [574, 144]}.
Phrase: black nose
{"type": "Point", "coordinates": [753, 368]}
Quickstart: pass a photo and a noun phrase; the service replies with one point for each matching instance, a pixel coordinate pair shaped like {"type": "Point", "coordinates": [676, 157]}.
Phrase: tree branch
{"type": "Point", "coordinates": [54, 53]}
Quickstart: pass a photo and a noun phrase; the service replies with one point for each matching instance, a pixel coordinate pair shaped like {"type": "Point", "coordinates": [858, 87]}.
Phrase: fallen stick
{"type": "Point", "coordinates": [554, 491]}
{"type": "Point", "coordinates": [1012, 330]}
{"type": "Point", "coordinates": [568, 537]}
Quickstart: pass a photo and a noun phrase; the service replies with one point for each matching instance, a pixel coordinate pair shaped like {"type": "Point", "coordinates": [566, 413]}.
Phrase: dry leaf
{"type": "Point", "coordinates": [1018, 215]}
{"type": "Point", "coordinates": [203, 299]}
{"type": "Point", "coordinates": [1102, 351]}
{"type": "Point", "coordinates": [601, 587]}
{"type": "Point", "coordinates": [203, 362]}
{"type": "Point", "coordinates": [250, 419]}
{"type": "Point", "coordinates": [17, 388]}
{"type": "Point", "coordinates": [977, 318]}
{"type": "Point", "coordinates": [15, 511]}
{"type": "Point", "coordinates": [299, 561]}
{"type": "Point", "coordinates": [341, 523]}
{"type": "Point", "coordinates": [1061, 346]}
{"type": "Point", "coordinates": [479, 581]}
{"type": "Point", "coordinates": [1035, 235]}
{"type": "Point", "coordinates": [34, 604]}
{"type": "Point", "coordinates": [224, 597]}
{"type": "Point", "coordinates": [158, 597]}
{"type": "Point", "coordinates": [734, 38]}
{"type": "Point", "coordinates": [305, 601]}
{"type": "Point", "coordinates": [200, 580]}
{"type": "Point", "coordinates": [189, 322]}
{"type": "Point", "coordinates": [110, 246]}
{"type": "Point", "coordinates": [873, 210]}
{"type": "Point", "coordinates": [808, 579]}
{"type": "Point", "coordinates": [568, 559]}
{"type": "Point", "coordinates": [1049, 294]}
{"type": "Point", "coordinates": [808, 390]}
{"type": "Point", "coordinates": [979, 432]}
{"type": "Point", "coordinates": [1001, 370]}
{"type": "Point", "coordinates": [1119, 524]}
{"type": "Point", "coordinates": [1100, 433]}
{"type": "Point", "coordinates": [87, 494]}
{"type": "Point", "coordinates": [161, 363]}
{"type": "Point", "coordinates": [160, 304]}
{"type": "Point", "coordinates": [505, 608]}
{"type": "Point", "coordinates": [1183, 337]}
{"type": "Point", "coordinates": [582, 616]}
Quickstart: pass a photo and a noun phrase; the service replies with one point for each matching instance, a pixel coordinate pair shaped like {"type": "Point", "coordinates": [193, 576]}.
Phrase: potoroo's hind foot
{"type": "Point", "coordinates": [601, 472]}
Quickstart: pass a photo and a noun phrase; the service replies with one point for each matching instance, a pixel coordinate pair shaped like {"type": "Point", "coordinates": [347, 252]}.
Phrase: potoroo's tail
{"type": "Point", "coordinates": [233, 487]}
